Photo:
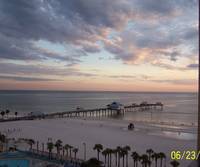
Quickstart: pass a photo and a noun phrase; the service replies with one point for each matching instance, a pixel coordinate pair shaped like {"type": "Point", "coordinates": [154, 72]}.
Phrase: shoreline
{"type": "Point", "coordinates": [110, 133]}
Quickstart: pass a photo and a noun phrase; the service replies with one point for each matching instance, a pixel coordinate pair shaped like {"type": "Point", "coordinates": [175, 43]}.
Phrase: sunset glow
{"type": "Point", "coordinates": [121, 45]}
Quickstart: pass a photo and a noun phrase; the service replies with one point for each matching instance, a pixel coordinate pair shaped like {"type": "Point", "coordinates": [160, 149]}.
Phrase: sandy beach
{"type": "Point", "coordinates": [108, 132]}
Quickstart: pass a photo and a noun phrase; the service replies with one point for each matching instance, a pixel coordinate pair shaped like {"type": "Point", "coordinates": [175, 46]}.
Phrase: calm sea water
{"type": "Point", "coordinates": [178, 107]}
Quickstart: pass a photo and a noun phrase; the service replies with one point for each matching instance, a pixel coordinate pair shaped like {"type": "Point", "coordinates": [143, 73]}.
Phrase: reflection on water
{"type": "Point", "coordinates": [175, 135]}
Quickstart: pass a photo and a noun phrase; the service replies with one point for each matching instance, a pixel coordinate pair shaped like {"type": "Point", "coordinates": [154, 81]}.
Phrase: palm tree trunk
{"type": "Point", "coordinates": [165, 162]}
{"type": "Point", "coordinates": [123, 161]}
{"type": "Point", "coordinates": [70, 152]}
{"type": "Point", "coordinates": [67, 152]}
{"type": "Point", "coordinates": [118, 160]}
{"type": "Point", "coordinates": [161, 162]}
{"type": "Point", "coordinates": [98, 155]}
{"type": "Point", "coordinates": [63, 152]}
{"type": "Point", "coordinates": [49, 154]}
{"type": "Point", "coordinates": [127, 160]}
{"type": "Point", "coordinates": [105, 159]}
{"type": "Point", "coordinates": [110, 160]}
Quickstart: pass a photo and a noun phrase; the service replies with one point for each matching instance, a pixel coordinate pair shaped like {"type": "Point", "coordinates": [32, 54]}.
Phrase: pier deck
{"type": "Point", "coordinates": [98, 112]}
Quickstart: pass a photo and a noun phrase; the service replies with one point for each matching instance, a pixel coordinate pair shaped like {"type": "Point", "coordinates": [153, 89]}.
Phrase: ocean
{"type": "Point", "coordinates": [178, 107]}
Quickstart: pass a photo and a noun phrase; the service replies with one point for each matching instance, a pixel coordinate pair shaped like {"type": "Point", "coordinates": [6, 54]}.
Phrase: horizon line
{"type": "Point", "coordinates": [117, 91]}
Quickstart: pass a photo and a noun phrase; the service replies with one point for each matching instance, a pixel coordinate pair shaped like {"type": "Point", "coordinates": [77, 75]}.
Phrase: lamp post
{"type": "Point", "coordinates": [84, 144]}
{"type": "Point", "coordinates": [37, 146]}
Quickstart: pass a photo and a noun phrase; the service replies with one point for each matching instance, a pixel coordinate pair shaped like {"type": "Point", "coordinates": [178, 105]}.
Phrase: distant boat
{"type": "Point", "coordinates": [115, 106]}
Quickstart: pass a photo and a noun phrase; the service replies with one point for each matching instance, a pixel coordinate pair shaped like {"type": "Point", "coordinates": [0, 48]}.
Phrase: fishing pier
{"type": "Point", "coordinates": [109, 111]}
{"type": "Point", "coordinates": [98, 112]}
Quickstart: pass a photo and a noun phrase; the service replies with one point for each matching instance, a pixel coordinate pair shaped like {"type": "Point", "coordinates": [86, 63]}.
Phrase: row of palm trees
{"type": "Point", "coordinates": [6, 112]}
{"type": "Point", "coordinates": [121, 155]}
{"type": "Point", "coordinates": [66, 149]}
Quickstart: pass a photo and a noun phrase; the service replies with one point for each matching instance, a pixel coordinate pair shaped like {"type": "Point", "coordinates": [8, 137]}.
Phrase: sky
{"type": "Point", "coordinates": [103, 45]}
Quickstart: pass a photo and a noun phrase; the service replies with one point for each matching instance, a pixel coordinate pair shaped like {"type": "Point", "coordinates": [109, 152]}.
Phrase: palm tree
{"type": "Point", "coordinates": [7, 112]}
{"type": "Point", "coordinates": [2, 114]}
{"type": "Point", "coordinates": [127, 148]}
{"type": "Point", "coordinates": [75, 150]}
{"type": "Point", "coordinates": [155, 156]}
{"type": "Point", "coordinates": [162, 156]}
{"type": "Point", "coordinates": [149, 152]}
{"type": "Point", "coordinates": [119, 149]}
{"type": "Point", "coordinates": [115, 153]}
{"type": "Point", "coordinates": [122, 154]}
{"type": "Point", "coordinates": [93, 162]}
{"type": "Point", "coordinates": [105, 153]}
{"type": "Point", "coordinates": [174, 163]}
{"type": "Point", "coordinates": [144, 160]}
{"type": "Point", "coordinates": [67, 146]}
{"type": "Point", "coordinates": [70, 151]}
{"type": "Point", "coordinates": [136, 158]}
{"type": "Point", "coordinates": [98, 147]}
{"type": "Point", "coordinates": [110, 151]}
{"type": "Point", "coordinates": [58, 146]}
{"type": "Point", "coordinates": [63, 151]}
{"type": "Point", "coordinates": [31, 142]}
{"type": "Point", "coordinates": [50, 146]}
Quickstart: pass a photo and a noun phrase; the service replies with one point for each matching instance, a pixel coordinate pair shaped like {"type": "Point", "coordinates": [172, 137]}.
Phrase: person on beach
{"type": "Point", "coordinates": [131, 126]}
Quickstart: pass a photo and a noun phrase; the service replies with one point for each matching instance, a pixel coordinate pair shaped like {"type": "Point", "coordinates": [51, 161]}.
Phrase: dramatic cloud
{"type": "Point", "coordinates": [15, 69]}
{"type": "Point", "coordinates": [28, 79]}
{"type": "Point", "coordinates": [134, 32]}
{"type": "Point", "coordinates": [178, 81]}
{"type": "Point", "coordinates": [82, 23]}
{"type": "Point", "coordinates": [77, 22]}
